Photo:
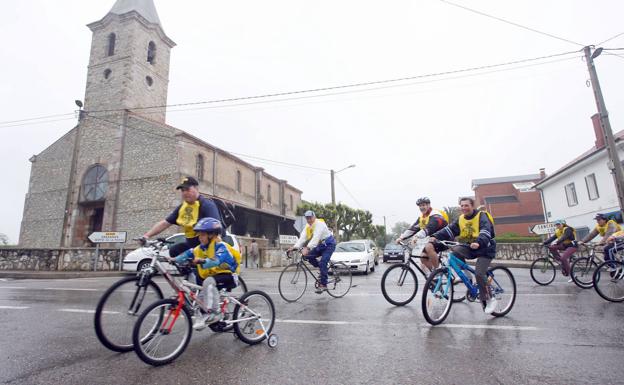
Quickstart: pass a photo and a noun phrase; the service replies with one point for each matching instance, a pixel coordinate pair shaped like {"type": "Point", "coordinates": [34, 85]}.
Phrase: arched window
{"type": "Point", "coordinates": [95, 183]}
{"type": "Point", "coordinates": [151, 52]}
{"type": "Point", "coordinates": [111, 44]}
{"type": "Point", "coordinates": [199, 166]}
{"type": "Point", "coordinates": [239, 181]}
{"type": "Point", "coordinates": [269, 199]}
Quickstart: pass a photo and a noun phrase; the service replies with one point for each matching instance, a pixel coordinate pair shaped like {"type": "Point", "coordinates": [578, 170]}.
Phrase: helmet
{"type": "Point", "coordinates": [309, 213]}
{"type": "Point", "coordinates": [560, 222]}
{"type": "Point", "coordinates": [209, 225]}
{"type": "Point", "coordinates": [422, 200]}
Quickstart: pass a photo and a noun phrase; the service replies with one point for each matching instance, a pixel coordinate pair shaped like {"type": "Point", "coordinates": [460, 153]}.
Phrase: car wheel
{"type": "Point", "coordinates": [385, 260]}
{"type": "Point", "coordinates": [373, 267]}
{"type": "Point", "coordinates": [143, 264]}
{"type": "Point", "coordinates": [376, 261]}
{"type": "Point", "coordinates": [367, 268]}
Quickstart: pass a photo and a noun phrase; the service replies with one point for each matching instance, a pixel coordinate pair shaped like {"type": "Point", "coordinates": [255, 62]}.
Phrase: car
{"type": "Point", "coordinates": [392, 251]}
{"type": "Point", "coordinates": [138, 259]}
{"type": "Point", "coordinates": [359, 255]}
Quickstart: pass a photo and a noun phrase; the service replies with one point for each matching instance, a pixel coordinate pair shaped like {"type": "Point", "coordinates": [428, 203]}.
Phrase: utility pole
{"type": "Point", "coordinates": [333, 191]}
{"type": "Point", "coordinates": [614, 159]}
{"type": "Point", "coordinates": [333, 196]}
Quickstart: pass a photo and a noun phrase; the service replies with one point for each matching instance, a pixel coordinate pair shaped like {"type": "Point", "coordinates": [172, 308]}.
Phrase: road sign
{"type": "Point", "coordinates": [543, 228]}
{"type": "Point", "coordinates": [287, 239]}
{"type": "Point", "coordinates": [108, 237]}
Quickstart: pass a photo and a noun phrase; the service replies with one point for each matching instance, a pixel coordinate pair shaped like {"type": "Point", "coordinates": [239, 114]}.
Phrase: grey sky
{"type": "Point", "coordinates": [419, 139]}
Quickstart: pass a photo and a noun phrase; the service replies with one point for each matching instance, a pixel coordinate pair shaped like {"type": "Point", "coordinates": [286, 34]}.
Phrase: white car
{"type": "Point", "coordinates": [360, 255]}
{"type": "Point", "coordinates": [140, 258]}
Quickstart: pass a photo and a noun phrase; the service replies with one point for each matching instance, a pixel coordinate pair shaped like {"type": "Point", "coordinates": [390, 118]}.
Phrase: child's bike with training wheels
{"type": "Point", "coordinates": [438, 294]}
{"type": "Point", "coordinates": [163, 330]}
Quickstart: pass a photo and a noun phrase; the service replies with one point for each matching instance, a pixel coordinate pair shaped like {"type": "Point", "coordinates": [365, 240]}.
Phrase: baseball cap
{"type": "Point", "coordinates": [187, 182]}
{"type": "Point", "coordinates": [601, 216]}
{"type": "Point", "coordinates": [309, 213]}
{"type": "Point", "coordinates": [560, 222]}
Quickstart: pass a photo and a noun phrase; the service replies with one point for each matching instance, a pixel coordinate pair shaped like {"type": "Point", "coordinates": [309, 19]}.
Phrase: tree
{"type": "Point", "coordinates": [399, 228]}
{"type": "Point", "coordinates": [351, 223]}
{"type": "Point", "coordinates": [453, 212]}
{"type": "Point", "coordinates": [4, 240]}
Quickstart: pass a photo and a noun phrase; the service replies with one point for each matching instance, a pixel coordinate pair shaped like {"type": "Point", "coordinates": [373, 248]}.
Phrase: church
{"type": "Point", "coordinates": [117, 169]}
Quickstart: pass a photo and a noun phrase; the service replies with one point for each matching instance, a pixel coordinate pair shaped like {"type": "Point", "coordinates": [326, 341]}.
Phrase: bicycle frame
{"type": "Point", "coordinates": [302, 263]}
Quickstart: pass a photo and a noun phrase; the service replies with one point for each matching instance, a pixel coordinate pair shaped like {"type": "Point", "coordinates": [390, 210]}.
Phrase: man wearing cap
{"type": "Point", "coordinates": [318, 242]}
{"type": "Point", "coordinates": [563, 240]}
{"type": "Point", "coordinates": [605, 227]}
{"type": "Point", "coordinates": [193, 208]}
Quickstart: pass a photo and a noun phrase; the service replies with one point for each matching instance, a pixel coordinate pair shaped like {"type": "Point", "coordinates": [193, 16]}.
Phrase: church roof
{"type": "Point", "coordinates": [145, 8]}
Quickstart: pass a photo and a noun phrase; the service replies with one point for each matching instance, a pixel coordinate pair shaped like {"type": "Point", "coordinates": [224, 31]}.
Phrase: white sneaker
{"type": "Point", "coordinates": [490, 305]}
{"type": "Point", "coordinates": [570, 280]}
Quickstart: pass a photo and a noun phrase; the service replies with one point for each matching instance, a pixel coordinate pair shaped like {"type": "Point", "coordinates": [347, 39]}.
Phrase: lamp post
{"type": "Point", "coordinates": [333, 196]}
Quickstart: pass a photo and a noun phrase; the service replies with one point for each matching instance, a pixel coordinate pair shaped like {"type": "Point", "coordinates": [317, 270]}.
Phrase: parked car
{"type": "Point", "coordinates": [140, 258]}
{"type": "Point", "coordinates": [359, 255]}
{"type": "Point", "coordinates": [392, 251]}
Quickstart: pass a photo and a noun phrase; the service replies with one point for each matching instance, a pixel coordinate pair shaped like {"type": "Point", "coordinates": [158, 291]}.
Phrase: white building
{"type": "Point", "coordinates": [584, 187]}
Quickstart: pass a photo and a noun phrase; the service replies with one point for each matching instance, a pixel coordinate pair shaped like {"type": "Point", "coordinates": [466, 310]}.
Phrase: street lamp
{"type": "Point", "coordinates": [333, 196]}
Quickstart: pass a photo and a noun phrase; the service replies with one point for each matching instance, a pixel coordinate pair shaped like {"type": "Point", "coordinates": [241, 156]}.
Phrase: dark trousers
{"type": "Point", "coordinates": [563, 258]}
{"type": "Point", "coordinates": [481, 268]}
{"type": "Point", "coordinates": [324, 250]}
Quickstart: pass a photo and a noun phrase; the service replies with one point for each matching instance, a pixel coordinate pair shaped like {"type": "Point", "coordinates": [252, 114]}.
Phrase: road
{"type": "Point", "coordinates": [557, 334]}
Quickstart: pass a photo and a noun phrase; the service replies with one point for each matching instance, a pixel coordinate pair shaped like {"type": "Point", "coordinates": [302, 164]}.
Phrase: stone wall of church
{"type": "Point", "coordinates": [44, 207]}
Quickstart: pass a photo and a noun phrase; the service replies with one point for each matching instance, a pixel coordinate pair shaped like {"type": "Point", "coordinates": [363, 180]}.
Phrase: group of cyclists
{"type": "Point", "coordinates": [217, 263]}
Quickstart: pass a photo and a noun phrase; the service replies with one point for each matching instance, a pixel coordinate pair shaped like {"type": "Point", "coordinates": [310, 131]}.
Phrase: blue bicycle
{"type": "Point", "coordinates": [437, 299]}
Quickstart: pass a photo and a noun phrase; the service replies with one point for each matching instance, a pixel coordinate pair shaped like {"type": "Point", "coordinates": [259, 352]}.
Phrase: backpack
{"type": "Point", "coordinates": [226, 210]}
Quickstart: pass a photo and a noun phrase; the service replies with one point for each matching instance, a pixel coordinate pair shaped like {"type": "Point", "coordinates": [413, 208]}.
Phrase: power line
{"type": "Point", "coordinates": [34, 123]}
{"type": "Point", "coordinates": [511, 23]}
{"type": "Point", "coordinates": [348, 192]}
{"type": "Point", "coordinates": [609, 39]}
{"type": "Point", "coordinates": [37, 118]}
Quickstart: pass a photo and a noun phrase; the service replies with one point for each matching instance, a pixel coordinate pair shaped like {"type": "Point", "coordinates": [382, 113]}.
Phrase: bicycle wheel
{"type": "Point", "coordinates": [340, 281]}
{"type": "Point", "coordinates": [292, 282]}
{"type": "Point", "coordinates": [437, 297]}
{"type": "Point", "coordinates": [608, 281]}
{"type": "Point", "coordinates": [399, 285]}
{"type": "Point", "coordinates": [503, 287]}
{"type": "Point", "coordinates": [255, 317]}
{"type": "Point", "coordinates": [118, 310]}
{"type": "Point", "coordinates": [582, 272]}
{"type": "Point", "coordinates": [543, 271]}
{"type": "Point", "coordinates": [162, 332]}
{"type": "Point", "coordinates": [237, 292]}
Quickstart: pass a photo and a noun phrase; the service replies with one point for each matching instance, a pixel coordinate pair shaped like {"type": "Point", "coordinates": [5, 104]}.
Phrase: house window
{"type": "Point", "coordinates": [111, 44]}
{"type": "Point", "coordinates": [239, 181]}
{"type": "Point", "coordinates": [592, 187]}
{"type": "Point", "coordinates": [199, 166]}
{"type": "Point", "coordinates": [269, 199]}
{"type": "Point", "coordinates": [95, 183]}
{"type": "Point", "coordinates": [291, 202]}
{"type": "Point", "coordinates": [151, 52]}
{"type": "Point", "coordinates": [570, 191]}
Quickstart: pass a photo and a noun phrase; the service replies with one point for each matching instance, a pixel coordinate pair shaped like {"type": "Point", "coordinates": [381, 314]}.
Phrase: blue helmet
{"type": "Point", "coordinates": [209, 225]}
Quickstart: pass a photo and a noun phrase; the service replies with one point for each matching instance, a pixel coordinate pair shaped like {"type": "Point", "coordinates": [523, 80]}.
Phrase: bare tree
{"type": "Point", "coordinates": [4, 240]}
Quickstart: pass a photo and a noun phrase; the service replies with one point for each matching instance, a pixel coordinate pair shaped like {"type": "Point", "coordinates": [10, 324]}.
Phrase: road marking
{"type": "Point", "coordinates": [317, 322]}
{"type": "Point", "coordinates": [68, 289]}
{"type": "Point", "coordinates": [493, 327]}
{"type": "Point", "coordinates": [13, 287]}
{"type": "Point", "coordinates": [77, 311]}
{"type": "Point", "coordinates": [546, 294]}
{"type": "Point", "coordinates": [14, 307]}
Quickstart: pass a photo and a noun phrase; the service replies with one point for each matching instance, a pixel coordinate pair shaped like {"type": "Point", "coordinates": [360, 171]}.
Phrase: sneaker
{"type": "Point", "coordinates": [570, 280]}
{"type": "Point", "coordinates": [206, 319]}
{"type": "Point", "coordinates": [490, 305]}
{"type": "Point", "coordinates": [320, 289]}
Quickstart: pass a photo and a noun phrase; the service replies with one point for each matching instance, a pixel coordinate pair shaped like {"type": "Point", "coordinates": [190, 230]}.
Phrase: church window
{"type": "Point", "coordinates": [111, 44]}
{"type": "Point", "coordinates": [107, 73]}
{"type": "Point", "coordinates": [269, 198]}
{"type": "Point", "coordinates": [239, 181]}
{"type": "Point", "coordinates": [95, 183]}
{"type": "Point", "coordinates": [199, 166]}
{"type": "Point", "coordinates": [151, 52]}
{"type": "Point", "coordinates": [149, 80]}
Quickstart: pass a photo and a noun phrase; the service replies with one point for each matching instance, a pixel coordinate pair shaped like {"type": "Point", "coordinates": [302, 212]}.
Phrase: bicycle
{"type": "Point", "coordinates": [608, 279]}
{"type": "Point", "coordinates": [583, 268]}
{"type": "Point", "coordinates": [164, 329]}
{"type": "Point", "coordinates": [399, 283]}
{"type": "Point", "coordinates": [293, 280]}
{"type": "Point", "coordinates": [543, 270]}
{"type": "Point", "coordinates": [119, 307]}
{"type": "Point", "coordinates": [438, 288]}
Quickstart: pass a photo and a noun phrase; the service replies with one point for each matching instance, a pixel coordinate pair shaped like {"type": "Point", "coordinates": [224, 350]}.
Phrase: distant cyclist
{"type": "Point", "coordinates": [430, 221]}
{"type": "Point", "coordinates": [317, 241]}
{"type": "Point", "coordinates": [563, 240]}
{"type": "Point", "coordinates": [605, 227]}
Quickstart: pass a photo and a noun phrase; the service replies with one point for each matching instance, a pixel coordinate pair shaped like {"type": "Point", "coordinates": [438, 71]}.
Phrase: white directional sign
{"type": "Point", "coordinates": [543, 228]}
{"type": "Point", "coordinates": [288, 239]}
{"type": "Point", "coordinates": [108, 237]}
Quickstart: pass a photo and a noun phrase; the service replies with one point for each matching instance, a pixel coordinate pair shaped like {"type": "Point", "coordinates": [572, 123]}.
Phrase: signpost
{"type": "Point", "coordinates": [107, 237]}
{"type": "Point", "coordinates": [288, 239]}
{"type": "Point", "coordinates": [543, 228]}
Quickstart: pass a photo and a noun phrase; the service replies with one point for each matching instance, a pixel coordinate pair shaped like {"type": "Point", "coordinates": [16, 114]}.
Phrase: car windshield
{"type": "Point", "coordinates": [350, 247]}
{"type": "Point", "coordinates": [228, 239]}
{"type": "Point", "coordinates": [391, 247]}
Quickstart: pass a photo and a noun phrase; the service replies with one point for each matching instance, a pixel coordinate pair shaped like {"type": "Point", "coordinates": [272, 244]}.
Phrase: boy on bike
{"type": "Point", "coordinates": [563, 240]}
{"type": "Point", "coordinates": [216, 261]}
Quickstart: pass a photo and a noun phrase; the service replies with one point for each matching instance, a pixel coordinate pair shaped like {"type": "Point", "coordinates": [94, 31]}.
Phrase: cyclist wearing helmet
{"type": "Point", "coordinates": [318, 242]}
{"type": "Point", "coordinates": [563, 240]}
{"type": "Point", "coordinates": [429, 222]}
{"type": "Point", "coordinates": [193, 208]}
{"type": "Point", "coordinates": [216, 262]}
{"type": "Point", "coordinates": [605, 227]}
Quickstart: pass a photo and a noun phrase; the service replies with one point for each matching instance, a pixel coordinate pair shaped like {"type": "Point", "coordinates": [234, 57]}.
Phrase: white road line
{"type": "Point", "coordinates": [317, 322]}
{"type": "Point", "coordinates": [450, 326]}
{"type": "Point", "coordinates": [493, 327]}
{"type": "Point", "coordinates": [67, 289]}
{"type": "Point", "coordinates": [87, 311]}
{"type": "Point", "coordinates": [14, 307]}
{"type": "Point", "coordinates": [13, 287]}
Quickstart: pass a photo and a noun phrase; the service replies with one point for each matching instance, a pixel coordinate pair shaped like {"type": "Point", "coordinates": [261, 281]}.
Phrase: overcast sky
{"type": "Point", "coordinates": [420, 138]}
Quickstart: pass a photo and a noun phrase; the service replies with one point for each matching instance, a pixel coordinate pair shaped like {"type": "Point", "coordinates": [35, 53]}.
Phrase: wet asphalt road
{"type": "Point", "coordinates": [557, 334]}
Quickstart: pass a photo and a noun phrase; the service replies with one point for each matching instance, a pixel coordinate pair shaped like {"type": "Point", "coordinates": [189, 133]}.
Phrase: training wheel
{"type": "Point", "coordinates": [272, 342]}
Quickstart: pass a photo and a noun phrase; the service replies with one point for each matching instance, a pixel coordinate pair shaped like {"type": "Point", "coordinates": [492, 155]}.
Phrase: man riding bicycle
{"type": "Point", "coordinates": [476, 229]}
{"type": "Point", "coordinates": [605, 227]}
{"type": "Point", "coordinates": [563, 240]}
{"type": "Point", "coordinates": [193, 208]}
{"type": "Point", "coordinates": [429, 222]}
{"type": "Point", "coordinates": [318, 242]}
